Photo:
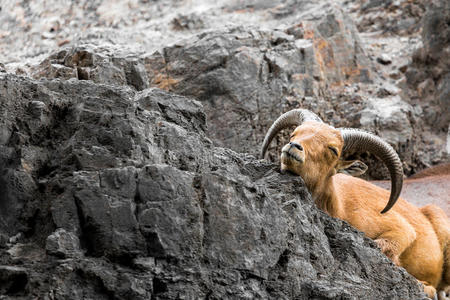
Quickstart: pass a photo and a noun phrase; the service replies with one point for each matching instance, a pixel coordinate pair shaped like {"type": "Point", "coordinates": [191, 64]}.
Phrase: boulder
{"type": "Point", "coordinates": [89, 62]}
{"type": "Point", "coordinates": [400, 17]}
{"type": "Point", "coordinates": [255, 75]}
{"type": "Point", "coordinates": [63, 244]}
{"type": "Point", "coordinates": [428, 76]}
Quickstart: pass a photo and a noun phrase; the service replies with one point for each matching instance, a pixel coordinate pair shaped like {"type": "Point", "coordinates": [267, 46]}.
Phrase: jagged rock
{"type": "Point", "coordinates": [426, 85]}
{"type": "Point", "coordinates": [63, 244]}
{"type": "Point", "coordinates": [183, 22]}
{"type": "Point", "coordinates": [384, 59]}
{"type": "Point", "coordinates": [159, 211]}
{"type": "Point", "coordinates": [16, 238]}
{"type": "Point", "coordinates": [89, 62]}
{"type": "Point", "coordinates": [255, 75]}
{"type": "Point", "coordinates": [390, 114]}
{"type": "Point", "coordinates": [428, 75]}
{"type": "Point", "coordinates": [400, 17]}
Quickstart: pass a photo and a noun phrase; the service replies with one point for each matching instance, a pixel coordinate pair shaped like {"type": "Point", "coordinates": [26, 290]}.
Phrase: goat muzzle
{"type": "Point", "coordinates": [293, 117]}
{"type": "Point", "coordinates": [292, 152]}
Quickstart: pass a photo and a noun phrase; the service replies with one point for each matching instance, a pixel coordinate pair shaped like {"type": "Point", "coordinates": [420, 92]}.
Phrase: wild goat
{"type": "Point", "coordinates": [417, 239]}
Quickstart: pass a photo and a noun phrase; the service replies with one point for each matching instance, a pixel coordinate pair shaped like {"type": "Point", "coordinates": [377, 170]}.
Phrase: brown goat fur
{"type": "Point", "coordinates": [432, 189]}
{"type": "Point", "coordinates": [417, 239]}
{"type": "Point", "coordinates": [443, 169]}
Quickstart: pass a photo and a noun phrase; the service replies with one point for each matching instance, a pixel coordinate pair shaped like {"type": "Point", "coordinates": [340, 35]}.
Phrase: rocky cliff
{"type": "Point", "coordinates": [128, 132]}
{"type": "Point", "coordinates": [111, 193]}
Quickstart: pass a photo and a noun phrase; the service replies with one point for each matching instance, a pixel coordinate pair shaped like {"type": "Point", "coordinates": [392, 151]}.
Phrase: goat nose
{"type": "Point", "coordinates": [298, 146]}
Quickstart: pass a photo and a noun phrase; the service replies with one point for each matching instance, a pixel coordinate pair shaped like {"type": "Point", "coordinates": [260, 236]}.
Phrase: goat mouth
{"type": "Point", "coordinates": [290, 155]}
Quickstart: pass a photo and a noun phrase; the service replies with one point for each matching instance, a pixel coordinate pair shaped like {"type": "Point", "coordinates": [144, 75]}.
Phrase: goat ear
{"type": "Point", "coordinates": [351, 167]}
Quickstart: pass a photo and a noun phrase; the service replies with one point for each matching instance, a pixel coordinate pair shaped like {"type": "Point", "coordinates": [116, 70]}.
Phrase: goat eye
{"type": "Point", "coordinates": [334, 150]}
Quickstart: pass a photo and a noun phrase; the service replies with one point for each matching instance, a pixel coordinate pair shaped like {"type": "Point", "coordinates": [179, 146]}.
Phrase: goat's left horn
{"type": "Point", "coordinates": [290, 118]}
{"type": "Point", "coordinates": [359, 140]}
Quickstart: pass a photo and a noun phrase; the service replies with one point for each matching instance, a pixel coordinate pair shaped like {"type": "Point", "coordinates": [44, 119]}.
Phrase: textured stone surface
{"type": "Point", "coordinates": [254, 60]}
{"type": "Point", "coordinates": [400, 17]}
{"type": "Point", "coordinates": [63, 244]}
{"type": "Point", "coordinates": [414, 74]}
{"type": "Point", "coordinates": [428, 75]}
{"type": "Point", "coordinates": [93, 63]}
{"type": "Point", "coordinates": [256, 75]}
{"type": "Point", "coordinates": [159, 212]}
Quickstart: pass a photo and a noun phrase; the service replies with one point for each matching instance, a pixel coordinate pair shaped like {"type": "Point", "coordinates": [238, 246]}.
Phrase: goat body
{"type": "Point", "coordinates": [417, 239]}
{"type": "Point", "coordinates": [433, 188]}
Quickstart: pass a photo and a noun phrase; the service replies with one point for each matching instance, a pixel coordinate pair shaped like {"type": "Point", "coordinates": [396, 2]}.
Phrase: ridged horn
{"type": "Point", "coordinates": [290, 118]}
{"type": "Point", "coordinates": [359, 140]}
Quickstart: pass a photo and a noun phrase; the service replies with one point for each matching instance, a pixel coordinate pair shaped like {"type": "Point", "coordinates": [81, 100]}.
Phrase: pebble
{"type": "Point", "coordinates": [384, 59]}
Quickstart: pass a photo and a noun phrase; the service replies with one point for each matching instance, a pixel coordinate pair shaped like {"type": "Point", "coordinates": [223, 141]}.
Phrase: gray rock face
{"type": "Point", "coordinates": [255, 75]}
{"type": "Point", "coordinates": [130, 200]}
{"type": "Point", "coordinates": [93, 63]}
{"type": "Point", "coordinates": [428, 76]}
{"type": "Point", "coordinates": [63, 244]}
{"type": "Point", "coordinates": [399, 17]}
{"type": "Point", "coordinates": [252, 60]}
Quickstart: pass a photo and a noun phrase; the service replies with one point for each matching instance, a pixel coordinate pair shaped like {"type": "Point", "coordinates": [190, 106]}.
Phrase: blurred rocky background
{"type": "Point", "coordinates": [129, 130]}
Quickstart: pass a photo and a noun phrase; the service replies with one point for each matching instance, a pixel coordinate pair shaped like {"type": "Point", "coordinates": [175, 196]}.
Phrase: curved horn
{"type": "Point", "coordinates": [359, 140]}
{"type": "Point", "coordinates": [292, 117]}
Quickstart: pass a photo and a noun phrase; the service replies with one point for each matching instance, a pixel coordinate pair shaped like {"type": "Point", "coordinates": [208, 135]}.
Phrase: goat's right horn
{"type": "Point", "coordinates": [360, 140]}
{"type": "Point", "coordinates": [290, 118]}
